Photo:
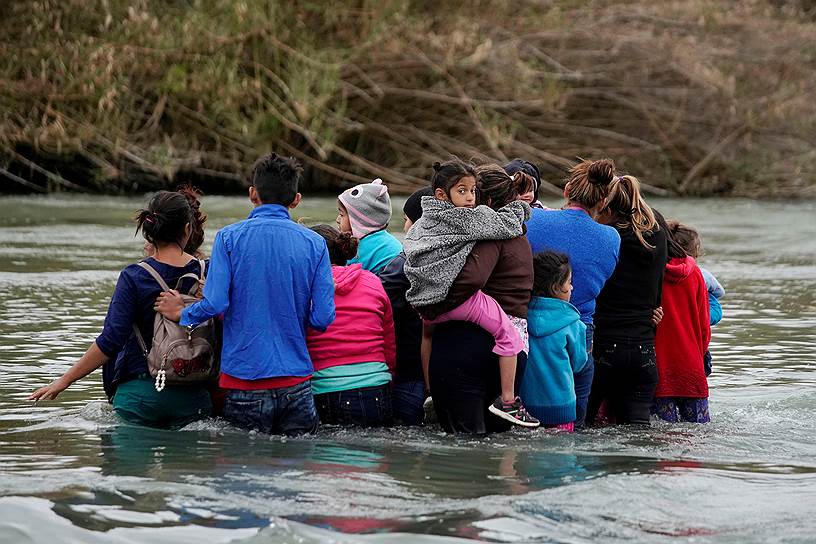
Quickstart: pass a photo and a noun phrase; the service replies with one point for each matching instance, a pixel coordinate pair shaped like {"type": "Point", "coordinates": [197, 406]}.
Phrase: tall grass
{"type": "Point", "coordinates": [694, 97]}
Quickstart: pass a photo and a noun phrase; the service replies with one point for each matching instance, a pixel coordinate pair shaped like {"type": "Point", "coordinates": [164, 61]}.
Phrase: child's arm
{"type": "Point", "coordinates": [715, 310]}
{"type": "Point", "coordinates": [712, 284]}
{"type": "Point", "coordinates": [389, 338]}
{"type": "Point", "coordinates": [704, 314]}
{"type": "Point", "coordinates": [576, 348]}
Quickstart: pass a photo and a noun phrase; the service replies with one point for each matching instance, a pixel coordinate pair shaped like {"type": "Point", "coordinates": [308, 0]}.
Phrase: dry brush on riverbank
{"type": "Point", "coordinates": [697, 97]}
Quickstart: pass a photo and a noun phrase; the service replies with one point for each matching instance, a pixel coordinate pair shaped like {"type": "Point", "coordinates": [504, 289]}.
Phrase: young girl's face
{"type": "Point", "coordinates": [564, 291]}
{"type": "Point", "coordinates": [462, 194]}
{"type": "Point", "coordinates": [343, 223]}
{"type": "Point", "coordinates": [528, 197]}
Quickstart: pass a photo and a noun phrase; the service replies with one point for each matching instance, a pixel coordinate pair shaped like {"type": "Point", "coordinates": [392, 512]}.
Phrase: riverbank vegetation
{"type": "Point", "coordinates": [695, 97]}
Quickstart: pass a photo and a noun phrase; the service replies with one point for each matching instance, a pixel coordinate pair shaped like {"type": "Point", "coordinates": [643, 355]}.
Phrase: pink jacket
{"type": "Point", "coordinates": [363, 329]}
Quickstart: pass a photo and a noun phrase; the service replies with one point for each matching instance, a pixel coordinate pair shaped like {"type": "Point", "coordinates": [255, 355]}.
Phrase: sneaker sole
{"type": "Point", "coordinates": [504, 415]}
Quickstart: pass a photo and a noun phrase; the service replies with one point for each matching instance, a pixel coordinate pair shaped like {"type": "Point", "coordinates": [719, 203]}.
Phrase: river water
{"type": "Point", "coordinates": [69, 472]}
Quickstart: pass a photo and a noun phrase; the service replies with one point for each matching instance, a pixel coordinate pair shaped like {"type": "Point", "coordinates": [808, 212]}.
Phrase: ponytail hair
{"type": "Point", "coordinates": [625, 201]}
{"type": "Point", "coordinates": [342, 245]}
{"type": "Point", "coordinates": [164, 219]}
{"type": "Point", "coordinates": [496, 188]}
{"type": "Point", "coordinates": [589, 181]}
{"type": "Point", "coordinates": [193, 196]}
{"type": "Point", "coordinates": [687, 238]}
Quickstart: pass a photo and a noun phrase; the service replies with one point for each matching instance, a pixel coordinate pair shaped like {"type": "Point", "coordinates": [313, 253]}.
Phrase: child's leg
{"type": "Point", "coordinates": [693, 410]}
{"type": "Point", "coordinates": [666, 409]}
{"type": "Point", "coordinates": [484, 311]}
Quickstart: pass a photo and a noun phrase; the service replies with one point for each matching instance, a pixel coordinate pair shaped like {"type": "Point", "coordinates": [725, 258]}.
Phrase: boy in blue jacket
{"type": "Point", "coordinates": [557, 344]}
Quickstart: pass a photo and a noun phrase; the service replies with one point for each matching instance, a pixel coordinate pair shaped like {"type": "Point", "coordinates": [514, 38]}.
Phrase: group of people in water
{"type": "Point", "coordinates": [496, 311]}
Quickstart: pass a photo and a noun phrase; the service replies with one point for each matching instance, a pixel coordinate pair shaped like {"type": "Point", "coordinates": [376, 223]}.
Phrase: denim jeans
{"type": "Point", "coordinates": [583, 381]}
{"type": "Point", "coordinates": [364, 407]}
{"type": "Point", "coordinates": [407, 402]}
{"type": "Point", "coordinates": [286, 410]}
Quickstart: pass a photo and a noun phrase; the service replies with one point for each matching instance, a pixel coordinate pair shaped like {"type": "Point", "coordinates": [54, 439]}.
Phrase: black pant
{"type": "Point", "coordinates": [626, 378]}
{"type": "Point", "coordinates": [465, 380]}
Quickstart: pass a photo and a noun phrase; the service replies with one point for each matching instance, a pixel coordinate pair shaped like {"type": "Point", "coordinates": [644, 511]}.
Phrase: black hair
{"type": "Point", "coordinates": [447, 174]}
{"type": "Point", "coordinates": [165, 217]}
{"type": "Point", "coordinates": [276, 179]}
{"type": "Point", "coordinates": [342, 245]}
{"type": "Point", "coordinates": [551, 270]}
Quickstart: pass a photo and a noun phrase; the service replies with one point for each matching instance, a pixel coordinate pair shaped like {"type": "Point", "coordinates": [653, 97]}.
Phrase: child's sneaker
{"type": "Point", "coordinates": [514, 412]}
{"type": "Point", "coordinates": [430, 413]}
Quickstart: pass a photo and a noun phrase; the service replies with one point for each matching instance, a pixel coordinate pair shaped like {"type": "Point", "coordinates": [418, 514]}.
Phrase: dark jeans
{"type": "Point", "coordinates": [583, 381]}
{"type": "Point", "coordinates": [464, 375]}
{"type": "Point", "coordinates": [286, 410]}
{"type": "Point", "coordinates": [626, 378]}
{"type": "Point", "coordinates": [364, 407]}
{"type": "Point", "coordinates": [408, 399]}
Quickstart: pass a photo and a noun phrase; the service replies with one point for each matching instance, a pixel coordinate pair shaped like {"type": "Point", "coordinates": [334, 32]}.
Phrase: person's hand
{"type": "Point", "coordinates": [170, 304]}
{"type": "Point", "coordinates": [657, 316]}
{"type": "Point", "coordinates": [50, 391]}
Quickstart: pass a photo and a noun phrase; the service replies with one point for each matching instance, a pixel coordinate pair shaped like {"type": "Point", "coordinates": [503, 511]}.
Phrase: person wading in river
{"type": "Point", "coordinates": [167, 225]}
{"type": "Point", "coordinates": [271, 278]}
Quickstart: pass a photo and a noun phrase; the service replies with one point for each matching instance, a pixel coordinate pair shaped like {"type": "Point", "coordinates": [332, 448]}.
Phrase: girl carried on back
{"type": "Point", "coordinates": [436, 248]}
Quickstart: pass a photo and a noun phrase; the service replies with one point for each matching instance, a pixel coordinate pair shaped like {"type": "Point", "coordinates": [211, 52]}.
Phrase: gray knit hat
{"type": "Point", "coordinates": [368, 206]}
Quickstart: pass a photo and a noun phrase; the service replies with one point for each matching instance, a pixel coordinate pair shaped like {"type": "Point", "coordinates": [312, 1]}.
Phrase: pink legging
{"type": "Point", "coordinates": [483, 310]}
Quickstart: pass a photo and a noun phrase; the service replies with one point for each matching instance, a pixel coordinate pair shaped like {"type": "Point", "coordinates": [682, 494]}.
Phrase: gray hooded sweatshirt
{"type": "Point", "coordinates": [439, 243]}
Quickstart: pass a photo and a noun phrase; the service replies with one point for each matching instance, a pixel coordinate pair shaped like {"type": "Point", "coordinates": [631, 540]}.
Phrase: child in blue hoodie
{"type": "Point", "coordinates": [557, 344]}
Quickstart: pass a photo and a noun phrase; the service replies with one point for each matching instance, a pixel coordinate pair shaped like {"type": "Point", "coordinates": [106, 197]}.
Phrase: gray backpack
{"type": "Point", "coordinates": [178, 354]}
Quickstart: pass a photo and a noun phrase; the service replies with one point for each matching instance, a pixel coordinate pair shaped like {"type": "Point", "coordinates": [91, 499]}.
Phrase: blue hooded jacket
{"type": "Point", "coordinates": [557, 351]}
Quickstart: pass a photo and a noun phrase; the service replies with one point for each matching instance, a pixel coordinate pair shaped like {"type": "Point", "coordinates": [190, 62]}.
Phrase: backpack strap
{"type": "Point", "coordinates": [198, 278]}
{"type": "Point", "coordinates": [140, 339]}
{"type": "Point", "coordinates": [156, 275]}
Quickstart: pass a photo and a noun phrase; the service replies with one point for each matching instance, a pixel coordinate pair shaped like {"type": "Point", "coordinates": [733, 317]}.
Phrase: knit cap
{"type": "Point", "coordinates": [368, 206]}
{"type": "Point", "coordinates": [520, 165]}
{"type": "Point", "coordinates": [413, 205]}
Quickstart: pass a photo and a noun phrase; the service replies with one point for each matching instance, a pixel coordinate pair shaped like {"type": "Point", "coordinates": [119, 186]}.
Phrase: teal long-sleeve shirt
{"type": "Point", "coordinates": [271, 279]}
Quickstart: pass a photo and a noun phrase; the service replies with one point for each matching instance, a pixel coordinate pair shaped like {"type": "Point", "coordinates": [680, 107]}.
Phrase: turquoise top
{"type": "Point", "coordinates": [376, 250]}
{"type": "Point", "coordinates": [346, 377]}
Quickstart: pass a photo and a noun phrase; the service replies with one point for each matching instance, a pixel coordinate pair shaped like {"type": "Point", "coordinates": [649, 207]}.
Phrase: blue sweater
{"type": "Point", "coordinates": [271, 278]}
{"type": "Point", "coordinates": [557, 351]}
{"type": "Point", "coordinates": [376, 250]}
{"type": "Point", "coordinates": [592, 249]}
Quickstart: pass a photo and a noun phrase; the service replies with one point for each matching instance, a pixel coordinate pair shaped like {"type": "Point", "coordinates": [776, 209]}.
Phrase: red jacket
{"type": "Point", "coordinates": [683, 334]}
{"type": "Point", "coordinates": [363, 329]}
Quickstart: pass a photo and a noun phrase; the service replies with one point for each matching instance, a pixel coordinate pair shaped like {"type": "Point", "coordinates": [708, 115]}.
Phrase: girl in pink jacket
{"type": "Point", "coordinates": [354, 359]}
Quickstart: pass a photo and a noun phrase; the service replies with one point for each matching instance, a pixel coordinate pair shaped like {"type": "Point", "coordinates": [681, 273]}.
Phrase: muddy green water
{"type": "Point", "coordinates": [69, 472]}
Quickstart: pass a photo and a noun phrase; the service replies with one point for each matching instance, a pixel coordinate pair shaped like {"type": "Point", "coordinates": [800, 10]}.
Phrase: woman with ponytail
{"type": "Point", "coordinates": [624, 350]}
{"type": "Point", "coordinates": [167, 225]}
{"type": "Point", "coordinates": [592, 249]}
{"type": "Point", "coordinates": [354, 358]}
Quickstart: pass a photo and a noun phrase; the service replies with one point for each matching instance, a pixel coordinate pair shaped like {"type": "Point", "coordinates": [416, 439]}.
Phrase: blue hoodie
{"type": "Point", "coordinates": [557, 351]}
